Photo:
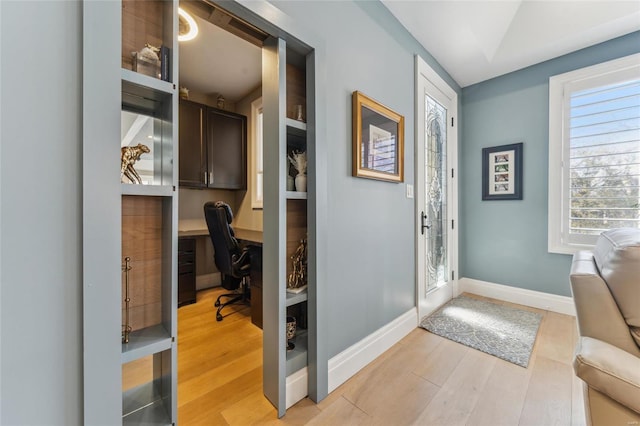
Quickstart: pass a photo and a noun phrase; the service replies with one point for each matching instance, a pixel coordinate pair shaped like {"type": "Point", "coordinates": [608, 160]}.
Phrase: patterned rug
{"type": "Point", "coordinates": [502, 331]}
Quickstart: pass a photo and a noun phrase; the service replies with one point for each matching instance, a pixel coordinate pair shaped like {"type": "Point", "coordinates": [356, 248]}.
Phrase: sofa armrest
{"type": "Point", "coordinates": [609, 370]}
{"type": "Point", "coordinates": [596, 311]}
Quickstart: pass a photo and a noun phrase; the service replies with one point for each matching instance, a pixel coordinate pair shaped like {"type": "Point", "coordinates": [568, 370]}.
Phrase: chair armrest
{"type": "Point", "coordinates": [609, 370]}
{"type": "Point", "coordinates": [241, 262]}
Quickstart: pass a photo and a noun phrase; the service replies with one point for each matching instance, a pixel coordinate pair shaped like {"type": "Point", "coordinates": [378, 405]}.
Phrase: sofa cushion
{"type": "Point", "coordinates": [617, 255]}
{"type": "Point", "coordinates": [610, 370]}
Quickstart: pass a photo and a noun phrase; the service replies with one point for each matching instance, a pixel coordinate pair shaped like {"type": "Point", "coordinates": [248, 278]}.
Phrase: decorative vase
{"type": "Point", "coordinates": [291, 186]}
{"type": "Point", "coordinates": [301, 183]}
{"type": "Point", "coordinates": [291, 332]}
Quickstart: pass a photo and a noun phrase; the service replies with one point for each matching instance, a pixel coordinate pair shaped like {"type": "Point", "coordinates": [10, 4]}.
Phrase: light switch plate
{"type": "Point", "coordinates": [409, 190]}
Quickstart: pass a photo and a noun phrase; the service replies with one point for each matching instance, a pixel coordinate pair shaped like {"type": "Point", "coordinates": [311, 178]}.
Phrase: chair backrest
{"type": "Point", "coordinates": [218, 216]}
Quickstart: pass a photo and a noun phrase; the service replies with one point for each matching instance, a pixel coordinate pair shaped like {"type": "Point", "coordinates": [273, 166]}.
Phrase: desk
{"type": "Point", "coordinates": [195, 228]}
{"type": "Point", "coordinates": [198, 228]}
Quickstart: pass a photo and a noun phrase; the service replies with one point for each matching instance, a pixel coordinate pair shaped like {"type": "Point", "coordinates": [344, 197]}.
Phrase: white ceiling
{"type": "Point", "coordinates": [218, 62]}
{"type": "Point", "coordinates": [474, 40]}
{"type": "Point", "coordinates": [478, 40]}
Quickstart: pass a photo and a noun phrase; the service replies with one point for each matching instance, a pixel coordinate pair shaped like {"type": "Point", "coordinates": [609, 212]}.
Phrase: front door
{"type": "Point", "coordinates": [436, 200]}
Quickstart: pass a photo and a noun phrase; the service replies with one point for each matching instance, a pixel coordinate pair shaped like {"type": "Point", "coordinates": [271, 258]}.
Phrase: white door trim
{"type": "Point", "coordinates": [426, 77]}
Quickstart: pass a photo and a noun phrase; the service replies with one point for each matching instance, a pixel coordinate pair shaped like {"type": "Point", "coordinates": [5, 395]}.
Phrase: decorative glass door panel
{"type": "Point", "coordinates": [437, 271]}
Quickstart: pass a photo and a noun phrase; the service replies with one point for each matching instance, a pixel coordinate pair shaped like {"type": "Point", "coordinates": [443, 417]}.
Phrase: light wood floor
{"type": "Point", "coordinates": [422, 380]}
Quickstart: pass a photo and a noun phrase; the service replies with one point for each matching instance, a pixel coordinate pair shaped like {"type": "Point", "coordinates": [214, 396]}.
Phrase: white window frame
{"type": "Point", "coordinates": [257, 166]}
{"type": "Point", "coordinates": [602, 74]}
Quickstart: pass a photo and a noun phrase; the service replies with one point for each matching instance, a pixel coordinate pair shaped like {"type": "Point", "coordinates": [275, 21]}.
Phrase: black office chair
{"type": "Point", "coordinates": [231, 259]}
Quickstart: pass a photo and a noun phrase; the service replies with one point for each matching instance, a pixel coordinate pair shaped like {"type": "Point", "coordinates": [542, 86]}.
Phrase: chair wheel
{"type": "Point", "coordinates": [217, 303]}
{"type": "Point", "coordinates": [218, 316]}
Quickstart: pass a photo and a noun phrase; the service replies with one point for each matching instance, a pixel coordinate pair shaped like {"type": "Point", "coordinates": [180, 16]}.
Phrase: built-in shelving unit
{"type": "Point", "coordinates": [296, 303]}
{"type": "Point", "coordinates": [149, 216]}
{"type": "Point", "coordinates": [129, 217]}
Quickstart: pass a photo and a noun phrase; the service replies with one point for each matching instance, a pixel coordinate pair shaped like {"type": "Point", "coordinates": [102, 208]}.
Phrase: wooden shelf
{"type": "Point", "coordinates": [148, 190]}
{"type": "Point", "coordinates": [296, 195]}
{"type": "Point", "coordinates": [297, 357]}
{"type": "Point", "coordinates": [145, 342]}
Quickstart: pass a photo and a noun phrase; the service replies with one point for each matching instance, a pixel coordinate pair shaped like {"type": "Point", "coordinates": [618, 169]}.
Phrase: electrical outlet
{"type": "Point", "coordinates": [409, 190]}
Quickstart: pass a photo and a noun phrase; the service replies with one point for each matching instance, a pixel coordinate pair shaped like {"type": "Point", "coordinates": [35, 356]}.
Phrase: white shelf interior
{"type": "Point", "coordinates": [293, 298]}
{"type": "Point", "coordinates": [300, 125]}
{"type": "Point", "coordinates": [148, 190]}
{"type": "Point", "coordinates": [296, 195]}
{"type": "Point", "coordinates": [151, 83]}
{"type": "Point", "coordinates": [297, 357]}
{"type": "Point", "coordinates": [145, 342]}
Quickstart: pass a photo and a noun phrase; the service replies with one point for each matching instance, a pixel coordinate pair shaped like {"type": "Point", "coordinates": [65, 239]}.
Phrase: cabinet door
{"type": "Point", "coordinates": [227, 141]}
{"type": "Point", "coordinates": [193, 167]}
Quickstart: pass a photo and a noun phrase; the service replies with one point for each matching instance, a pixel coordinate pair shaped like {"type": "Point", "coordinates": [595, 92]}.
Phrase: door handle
{"type": "Point", "coordinates": [423, 224]}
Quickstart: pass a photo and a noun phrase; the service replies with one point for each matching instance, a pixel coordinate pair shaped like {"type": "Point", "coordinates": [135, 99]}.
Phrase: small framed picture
{"type": "Point", "coordinates": [502, 172]}
{"type": "Point", "coordinates": [378, 140]}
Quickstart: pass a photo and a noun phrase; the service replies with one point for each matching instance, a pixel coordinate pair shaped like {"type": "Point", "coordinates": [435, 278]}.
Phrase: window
{"type": "Point", "coordinates": [594, 153]}
{"type": "Point", "coordinates": [256, 164]}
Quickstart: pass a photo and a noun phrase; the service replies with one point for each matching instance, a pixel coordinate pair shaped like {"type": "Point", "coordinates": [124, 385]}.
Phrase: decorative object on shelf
{"type": "Point", "coordinates": [165, 62]}
{"type": "Point", "coordinates": [184, 93]}
{"type": "Point", "coordinates": [128, 156]}
{"type": "Point", "coordinates": [298, 275]}
{"type": "Point", "coordinates": [147, 61]}
{"type": "Point", "coordinates": [299, 161]}
{"type": "Point", "coordinates": [502, 172]}
{"type": "Point", "coordinates": [291, 332]}
{"type": "Point", "coordinates": [220, 102]}
{"type": "Point", "coordinates": [299, 115]}
{"type": "Point", "coordinates": [291, 185]}
{"type": "Point", "coordinates": [378, 140]}
{"type": "Point", "coordinates": [126, 328]}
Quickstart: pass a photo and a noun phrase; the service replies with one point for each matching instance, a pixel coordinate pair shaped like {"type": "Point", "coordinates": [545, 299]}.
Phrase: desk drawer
{"type": "Point", "coordinates": [186, 267]}
{"type": "Point", "coordinates": [186, 270]}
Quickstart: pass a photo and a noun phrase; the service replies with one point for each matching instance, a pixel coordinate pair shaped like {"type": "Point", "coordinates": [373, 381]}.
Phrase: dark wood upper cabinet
{"type": "Point", "coordinates": [193, 164]}
{"type": "Point", "coordinates": [213, 147]}
{"type": "Point", "coordinates": [227, 146]}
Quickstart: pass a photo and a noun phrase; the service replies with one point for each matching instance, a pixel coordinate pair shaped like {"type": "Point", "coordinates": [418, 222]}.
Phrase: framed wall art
{"type": "Point", "coordinates": [378, 140]}
{"type": "Point", "coordinates": [502, 172]}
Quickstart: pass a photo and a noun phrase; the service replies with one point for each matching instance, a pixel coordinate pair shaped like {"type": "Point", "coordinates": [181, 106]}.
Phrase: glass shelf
{"type": "Point", "coordinates": [145, 342]}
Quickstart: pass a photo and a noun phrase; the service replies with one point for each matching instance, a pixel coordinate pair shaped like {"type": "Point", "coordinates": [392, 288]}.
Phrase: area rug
{"type": "Point", "coordinates": [502, 331]}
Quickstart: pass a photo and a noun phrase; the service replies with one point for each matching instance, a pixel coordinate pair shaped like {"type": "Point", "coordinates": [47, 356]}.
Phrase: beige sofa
{"type": "Point", "coordinates": [606, 291]}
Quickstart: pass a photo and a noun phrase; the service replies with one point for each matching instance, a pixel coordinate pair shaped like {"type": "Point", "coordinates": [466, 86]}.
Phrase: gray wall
{"type": "Point", "coordinates": [371, 276]}
{"type": "Point", "coordinates": [505, 242]}
{"type": "Point", "coordinates": [41, 217]}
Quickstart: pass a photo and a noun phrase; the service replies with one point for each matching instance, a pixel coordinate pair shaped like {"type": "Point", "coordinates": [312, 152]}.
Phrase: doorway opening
{"type": "Point", "coordinates": [220, 362]}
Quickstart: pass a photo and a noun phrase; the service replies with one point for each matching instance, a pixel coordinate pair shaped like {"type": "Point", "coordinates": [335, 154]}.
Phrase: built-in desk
{"type": "Point", "coordinates": [198, 228]}
{"type": "Point", "coordinates": [194, 228]}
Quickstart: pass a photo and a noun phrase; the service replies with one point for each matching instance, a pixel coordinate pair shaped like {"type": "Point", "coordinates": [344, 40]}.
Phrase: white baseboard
{"type": "Point", "coordinates": [348, 362]}
{"type": "Point", "coordinates": [297, 387]}
{"type": "Point", "coordinates": [535, 299]}
{"type": "Point", "coordinates": [208, 280]}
